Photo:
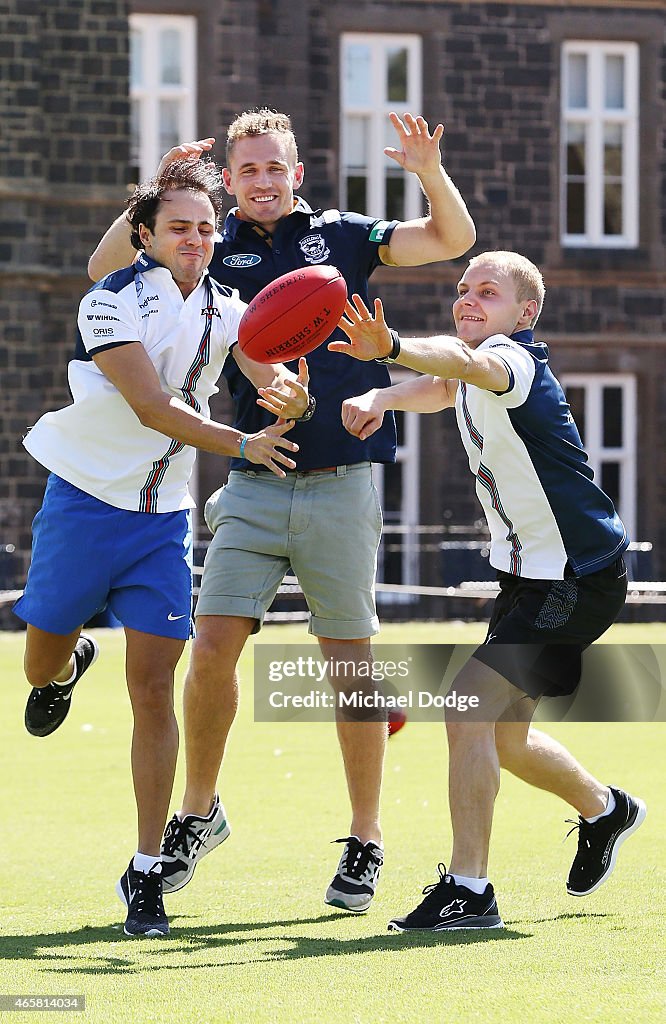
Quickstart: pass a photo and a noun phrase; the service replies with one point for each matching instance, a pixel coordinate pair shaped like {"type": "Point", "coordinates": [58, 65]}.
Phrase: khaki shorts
{"type": "Point", "coordinates": [324, 525]}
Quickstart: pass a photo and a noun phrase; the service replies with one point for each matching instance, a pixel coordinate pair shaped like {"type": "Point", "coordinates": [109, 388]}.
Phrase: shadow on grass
{"type": "Point", "coordinates": [49, 950]}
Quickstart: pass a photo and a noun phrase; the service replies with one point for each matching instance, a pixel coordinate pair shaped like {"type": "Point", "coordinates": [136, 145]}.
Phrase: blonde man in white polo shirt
{"type": "Point", "coordinates": [114, 527]}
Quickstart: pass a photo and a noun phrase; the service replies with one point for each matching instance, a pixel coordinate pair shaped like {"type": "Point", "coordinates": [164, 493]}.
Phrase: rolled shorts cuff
{"type": "Point", "coordinates": [344, 629]}
{"type": "Point", "coordinates": [243, 607]}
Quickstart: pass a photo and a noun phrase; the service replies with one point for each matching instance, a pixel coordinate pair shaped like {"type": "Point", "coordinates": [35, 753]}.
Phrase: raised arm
{"type": "Point", "coordinates": [130, 370]}
{"type": "Point", "coordinates": [448, 230]}
{"type": "Point", "coordinates": [443, 356]}
{"type": "Point", "coordinates": [115, 249]}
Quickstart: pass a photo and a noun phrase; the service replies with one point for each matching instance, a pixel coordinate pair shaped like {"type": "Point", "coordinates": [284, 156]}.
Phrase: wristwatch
{"type": "Point", "coordinates": [309, 412]}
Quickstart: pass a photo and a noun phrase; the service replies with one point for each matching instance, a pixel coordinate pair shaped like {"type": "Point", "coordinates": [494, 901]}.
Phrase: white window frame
{"type": "Point", "coordinates": [408, 455]}
{"type": "Point", "coordinates": [593, 385]}
{"type": "Point", "coordinates": [593, 117]}
{"type": "Point", "coordinates": [149, 93]}
{"type": "Point", "coordinates": [376, 109]}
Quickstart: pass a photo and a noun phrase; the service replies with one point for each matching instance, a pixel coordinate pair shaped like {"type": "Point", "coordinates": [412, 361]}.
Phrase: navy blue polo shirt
{"type": "Point", "coordinates": [248, 258]}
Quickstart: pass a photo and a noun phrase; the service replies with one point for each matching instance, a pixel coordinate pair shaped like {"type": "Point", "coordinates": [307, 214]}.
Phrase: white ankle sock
{"type": "Point", "coordinates": [145, 862]}
{"type": "Point", "coordinates": [610, 807]}
{"type": "Point", "coordinates": [477, 885]}
{"type": "Point", "coordinates": [71, 678]}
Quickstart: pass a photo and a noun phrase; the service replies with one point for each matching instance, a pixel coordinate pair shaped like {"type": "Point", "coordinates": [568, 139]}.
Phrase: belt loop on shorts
{"type": "Point", "coordinates": [341, 471]}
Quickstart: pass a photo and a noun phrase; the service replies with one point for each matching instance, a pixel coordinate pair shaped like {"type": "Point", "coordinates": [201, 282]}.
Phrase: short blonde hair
{"type": "Point", "coordinates": [527, 276]}
{"type": "Point", "coordinates": [261, 122]}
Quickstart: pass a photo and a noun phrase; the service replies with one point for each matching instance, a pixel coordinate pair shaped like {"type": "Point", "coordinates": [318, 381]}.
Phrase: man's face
{"type": "Point", "coordinates": [263, 176]}
{"type": "Point", "coordinates": [487, 305]}
{"type": "Point", "coordinates": [183, 237]}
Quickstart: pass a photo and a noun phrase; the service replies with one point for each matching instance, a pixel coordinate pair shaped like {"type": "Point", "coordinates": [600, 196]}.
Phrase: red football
{"type": "Point", "coordinates": [293, 314]}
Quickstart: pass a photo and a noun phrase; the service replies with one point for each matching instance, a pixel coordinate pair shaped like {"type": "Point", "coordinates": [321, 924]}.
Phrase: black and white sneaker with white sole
{"type": "Point", "coordinates": [449, 907]}
{"type": "Point", "coordinates": [48, 706]}
{"type": "Point", "coordinates": [599, 843]}
{"type": "Point", "coordinates": [188, 839]}
{"type": "Point", "coordinates": [141, 892]}
{"type": "Point", "coordinates": [357, 876]}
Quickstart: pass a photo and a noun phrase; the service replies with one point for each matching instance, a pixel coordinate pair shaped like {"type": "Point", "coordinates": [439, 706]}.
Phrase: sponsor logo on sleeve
{"type": "Point", "coordinates": [149, 298]}
{"type": "Point", "coordinates": [91, 316]}
{"type": "Point", "coordinates": [242, 260]}
{"type": "Point", "coordinates": [379, 230]}
{"type": "Point", "coordinates": [98, 302]}
{"type": "Point", "coordinates": [103, 332]}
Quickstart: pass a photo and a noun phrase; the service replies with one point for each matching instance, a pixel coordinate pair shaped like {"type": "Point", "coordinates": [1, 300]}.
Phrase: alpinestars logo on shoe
{"type": "Point", "coordinates": [454, 907]}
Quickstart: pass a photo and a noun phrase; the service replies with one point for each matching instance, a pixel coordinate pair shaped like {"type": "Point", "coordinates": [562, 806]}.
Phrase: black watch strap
{"type": "Point", "coordinates": [395, 348]}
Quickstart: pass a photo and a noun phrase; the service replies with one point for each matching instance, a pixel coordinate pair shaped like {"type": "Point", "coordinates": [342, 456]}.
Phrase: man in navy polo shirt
{"type": "Point", "coordinates": [325, 522]}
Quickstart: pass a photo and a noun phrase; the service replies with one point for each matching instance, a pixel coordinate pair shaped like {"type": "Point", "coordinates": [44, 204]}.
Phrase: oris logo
{"type": "Point", "coordinates": [242, 260]}
{"type": "Point", "coordinates": [103, 332]}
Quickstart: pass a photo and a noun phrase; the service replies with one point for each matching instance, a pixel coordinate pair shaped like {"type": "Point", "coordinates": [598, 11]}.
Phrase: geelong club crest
{"type": "Point", "coordinates": [314, 248]}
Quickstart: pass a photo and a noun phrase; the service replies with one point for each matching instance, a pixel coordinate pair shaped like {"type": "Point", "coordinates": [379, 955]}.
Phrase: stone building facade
{"type": "Point", "coordinates": [494, 74]}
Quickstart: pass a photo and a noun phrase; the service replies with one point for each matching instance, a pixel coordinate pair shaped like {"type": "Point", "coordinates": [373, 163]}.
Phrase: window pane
{"type": "Point", "coordinates": [613, 150]}
{"type": "Point", "coordinates": [614, 83]}
{"type": "Point", "coordinates": [395, 197]}
{"type": "Point", "coordinates": [576, 208]}
{"type": "Point", "coordinates": [576, 399]}
{"type": "Point", "coordinates": [136, 59]}
{"type": "Point", "coordinates": [575, 149]}
{"type": "Point", "coordinates": [396, 73]}
{"type": "Point", "coordinates": [612, 209]}
{"type": "Point", "coordinates": [357, 193]}
{"type": "Point", "coordinates": [357, 74]}
{"type": "Point", "coordinates": [170, 57]}
{"type": "Point", "coordinates": [612, 413]}
{"type": "Point", "coordinates": [610, 481]}
{"type": "Point", "coordinates": [357, 130]}
{"type": "Point", "coordinates": [577, 81]}
{"type": "Point", "coordinates": [135, 133]}
{"type": "Point", "coordinates": [169, 124]}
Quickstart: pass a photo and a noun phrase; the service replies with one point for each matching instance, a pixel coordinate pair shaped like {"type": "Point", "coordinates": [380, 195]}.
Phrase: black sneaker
{"type": "Point", "coordinates": [598, 843]}
{"type": "Point", "coordinates": [189, 839]}
{"type": "Point", "coordinates": [449, 907]}
{"type": "Point", "coordinates": [48, 706]}
{"type": "Point", "coordinates": [142, 895]}
{"type": "Point", "coordinates": [358, 873]}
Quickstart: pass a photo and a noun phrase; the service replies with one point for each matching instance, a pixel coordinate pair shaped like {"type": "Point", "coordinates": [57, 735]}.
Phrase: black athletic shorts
{"type": "Point", "coordinates": [539, 628]}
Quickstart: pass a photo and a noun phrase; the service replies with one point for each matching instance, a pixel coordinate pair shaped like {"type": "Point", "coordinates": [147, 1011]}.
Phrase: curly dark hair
{"type": "Point", "coordinates": [193, 175]}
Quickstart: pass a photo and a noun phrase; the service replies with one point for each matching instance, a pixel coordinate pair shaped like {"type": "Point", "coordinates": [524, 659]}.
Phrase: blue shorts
{"type": "Point", "coordinates": [87, 554]}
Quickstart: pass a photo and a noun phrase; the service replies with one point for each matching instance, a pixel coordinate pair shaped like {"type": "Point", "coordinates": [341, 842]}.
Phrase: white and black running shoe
{"type": "Point", "coordinates": [142, 895]}
{"type": "Point", "coordinates": [357, 876]}
{"type": "Point", "coordinates": [450, 907]}
{"type": "Point", "coordinates": [48, 706]}
{"type": "Point", "coordinates": [189, 839]}
{"type": "Point", "coordinates": [600, 841]}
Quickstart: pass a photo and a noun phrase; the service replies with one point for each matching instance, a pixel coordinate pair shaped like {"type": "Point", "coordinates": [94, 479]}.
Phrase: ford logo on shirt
{"type": "Point", "coordinates": [242, 259]}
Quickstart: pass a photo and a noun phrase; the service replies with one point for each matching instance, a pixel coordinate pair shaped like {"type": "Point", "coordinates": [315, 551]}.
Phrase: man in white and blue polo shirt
{"type": "Point", "coordinates": [557, 544]}
{"type": "Point", "coordinates": [323, 521]}
{"type": "Point", "coordinates": [114, 527]}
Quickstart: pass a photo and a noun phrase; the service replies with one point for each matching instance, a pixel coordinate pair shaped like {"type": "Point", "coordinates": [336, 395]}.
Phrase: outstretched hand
{"type": "Point", "coordinates": [186, 151]}
{"type": "Point", "coordinates": [263, 448]}
{"type": "Point", "coordinates": [369, 336]}
{"type": "Point", "coordinates": [419, 150]}
{"type": "Point", "coordinates": [290, 400]}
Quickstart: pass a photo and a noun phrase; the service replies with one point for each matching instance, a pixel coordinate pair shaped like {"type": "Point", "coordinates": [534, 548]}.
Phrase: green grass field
{"type": "Point", "coordinates": [251, 938]}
